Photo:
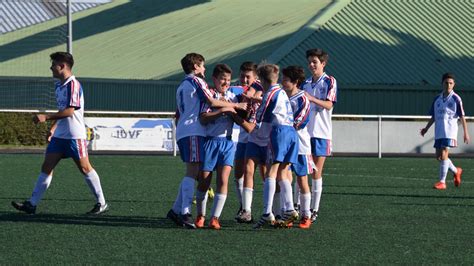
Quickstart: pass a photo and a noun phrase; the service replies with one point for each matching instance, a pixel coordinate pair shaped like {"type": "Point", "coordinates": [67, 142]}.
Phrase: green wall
{"type": "Point", "coordinates": [159, 96]}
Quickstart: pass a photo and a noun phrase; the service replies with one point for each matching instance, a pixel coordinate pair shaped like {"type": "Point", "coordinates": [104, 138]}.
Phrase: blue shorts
{"type": "Point", "coordinates": [240, 151]}
{"type": "Point", "coordinates": [321, 147]}
{"type": "Point", "coordinates": [69, 148]}
{"type": "Point", "coordinates": [445, 143]}
{"type": "Point", "coordinates": [283, 146]}
{"type": "Point", "coordinates": [191, 149]}
{"type": "Point", "coordinates": [254, 151]}
{"type": "Point", "coordinates": [218, 152]}
{"type": "Point", "coordinates": [304, 165]}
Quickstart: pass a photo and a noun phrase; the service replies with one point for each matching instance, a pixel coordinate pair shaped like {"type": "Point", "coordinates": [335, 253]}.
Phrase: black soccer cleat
{"type": "Point", "coordinates": [174, 217]}
{"type": "Point", "coordinates": [24, 206]}
{"type": "Point", "coordinates": [187, 221]}
{"type": "Point", "coordinates": [99, 209]}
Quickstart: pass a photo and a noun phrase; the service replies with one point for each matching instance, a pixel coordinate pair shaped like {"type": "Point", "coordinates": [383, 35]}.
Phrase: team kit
{"type": "Point", "coordinates": [285, 134]}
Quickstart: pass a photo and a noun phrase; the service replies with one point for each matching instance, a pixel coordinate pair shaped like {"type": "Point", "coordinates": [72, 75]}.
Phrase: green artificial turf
{"type": "Point", "coordinates": [373, 211]}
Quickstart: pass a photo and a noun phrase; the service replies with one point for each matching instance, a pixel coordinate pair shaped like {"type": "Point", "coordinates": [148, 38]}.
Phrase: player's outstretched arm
{"type": "Point", "coordinates": [207, 117]}
{"type": "Point", "coordinates": [215, 103]}
{"type": "Point", "coordinates": [425, 129]}
{"type": "Point", "coordinates": [326, 104]}
{"type": "Point", "coordinates": [467, 139]}
{"type": "Point", "coordinates": [41, 118]}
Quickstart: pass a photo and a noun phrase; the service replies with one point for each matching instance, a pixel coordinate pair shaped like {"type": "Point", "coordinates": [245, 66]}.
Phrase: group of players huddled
{"type": "Point", "coordinates": [285, 128]}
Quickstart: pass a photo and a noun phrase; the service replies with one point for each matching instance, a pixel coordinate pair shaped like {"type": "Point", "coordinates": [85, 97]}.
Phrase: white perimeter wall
{"type": "Point", "coordinates": [397, 137]}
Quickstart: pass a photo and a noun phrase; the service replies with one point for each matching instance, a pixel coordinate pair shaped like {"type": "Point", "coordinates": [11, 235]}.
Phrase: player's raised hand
{"type": "Point", "coordinates": [39, 118]}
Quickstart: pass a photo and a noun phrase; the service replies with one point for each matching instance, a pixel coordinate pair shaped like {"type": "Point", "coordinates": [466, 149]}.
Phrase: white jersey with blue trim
{"type": "Point", "coordinates": [301, 111]}
{"type": "Point", "coordinates": [192, 93]}
{"type": "Point", "coordinates": [275, 110]}
{"type": "Point", "coordinates": [238, 90]}
{"type": "Point", "coordinates": [325, 88]}
{"type": "Point", "coordinates": [69, 94]}
{"type": "Point", "coordinates": [223, 125]}
{"type": "Point", "coordinates": [446, 112]}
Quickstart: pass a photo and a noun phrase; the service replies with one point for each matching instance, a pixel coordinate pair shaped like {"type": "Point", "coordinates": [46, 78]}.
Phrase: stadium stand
{"type": "Point", "coordinates": [393, 42]}
{"type": "Point", "coordinates": [385, 54]}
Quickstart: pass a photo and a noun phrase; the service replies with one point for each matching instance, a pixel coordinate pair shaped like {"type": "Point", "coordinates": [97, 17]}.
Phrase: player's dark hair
{"type": "Point", "coordinates": [447, 76]}
{"type": "Point", "coordinates": [319, 53]}
{"type": "Point", "coordinates": [63, 57]}
{"type": "Point", "coordinates": [248, 66]}
{"type": "Point", "coordinates": [221, 68]}
{"type": "Point", "coordinates": [268, 72]}
{"type": "Point", "coordinates": [189, 60]}
{"type": "Point", "coordinates": [295, 74]}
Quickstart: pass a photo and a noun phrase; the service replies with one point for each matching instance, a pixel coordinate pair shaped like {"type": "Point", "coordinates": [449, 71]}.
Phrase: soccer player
{"type": "Point", "coordinates": [321, 90]}
{"type": "Point", "coordinates": [292, 78]}
{"type": "Point", "coordinates": [275, 118]}
{"type": "Point", "coordinates": [219, 148]}
{"type": "Point", "coordinates": [445, 112]}
{"type": "Point", "coordinates": [67, 136]}
{"type": "Point", "coordinates": [190, 133]}
{"type": "Point", "coordinates": [251, 90]}
{"type": "Point", "coordinates": [255, 155]}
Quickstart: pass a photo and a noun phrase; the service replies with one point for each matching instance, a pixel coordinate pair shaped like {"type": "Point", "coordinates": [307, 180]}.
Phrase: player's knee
{"type": "Point", "coordinates": [46, 168]}
{"type": "Point", "coordinates": [86, 169]}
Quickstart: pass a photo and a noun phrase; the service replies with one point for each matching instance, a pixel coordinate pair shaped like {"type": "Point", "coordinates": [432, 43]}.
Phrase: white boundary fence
{"type": "Point", "coordinates": [352, 134]}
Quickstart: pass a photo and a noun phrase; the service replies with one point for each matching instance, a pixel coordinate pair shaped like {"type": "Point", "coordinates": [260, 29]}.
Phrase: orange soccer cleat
{"type": "Point", "coordinates": [457, 177]}
{"type": "Point", "coordinates": [199, 221]}
{"type": "Point", "coordinates": [305, 222]}
{"type": "Point", "coordinates": [214, 223]}
{"type": "Point", "coordinates": [440, 186]}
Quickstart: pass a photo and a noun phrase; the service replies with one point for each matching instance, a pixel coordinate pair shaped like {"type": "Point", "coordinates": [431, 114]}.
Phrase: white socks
{"type": "Point", "coordinates": [443, 170]}
{"type": "Point", "coordinates": [93, 181]}
{"type": "Point", "coordinates": [219, 201]}
{"type": "Point", "coordinates": [287, 193]}
{"type": "Point", "coordinates": [41, 186]}
{"type": "Point", "coordinates": [201, 202]}
{"type": "Point", "coordinates": [305, 200]}
{"type": "Point", "coordinates": [316, 191]}
{"type": "Point", "coordinates": [247, 197]}
{"type": "Point", "coordinates": [268, 193]}
{"type": "Point", "coordinates": [452, 168]}
{"type": "Point", "coordinates": [187, 194]}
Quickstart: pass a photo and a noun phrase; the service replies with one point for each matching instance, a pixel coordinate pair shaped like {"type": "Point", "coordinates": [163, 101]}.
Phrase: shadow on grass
{"type": "Point", "coordinates": [115, 221]}
{"type": "Point", "coordinates": [103, 220]}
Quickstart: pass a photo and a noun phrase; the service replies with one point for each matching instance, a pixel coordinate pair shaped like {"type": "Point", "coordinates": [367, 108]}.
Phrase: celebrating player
{"type": "Point", "coordinates": [292, 78]}
{"type": "Point", "coordinates": [251, 92]}
{"type": "Point", "coordinates": [275, 118]}
{"type": "Point", "coordinates": [68, 136]}
{"type": "Point", "coordinates": [321, 90]}
{"type": "Point", "coordinates": [445, 111]}
{"type": "Point", "coordinates": [190, 133]}
{"type": "Point", "coordinates": [219, 148]}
